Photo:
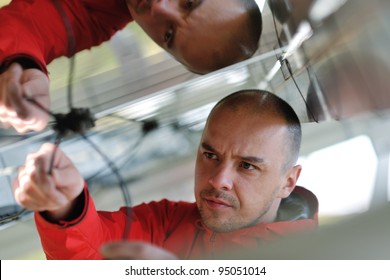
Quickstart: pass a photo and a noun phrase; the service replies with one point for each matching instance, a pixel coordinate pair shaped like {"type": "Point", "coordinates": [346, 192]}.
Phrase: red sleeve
{"type": "Point", "coordinates": [35, 29]}
{"type": "Point", "coordinates": [83, 237]}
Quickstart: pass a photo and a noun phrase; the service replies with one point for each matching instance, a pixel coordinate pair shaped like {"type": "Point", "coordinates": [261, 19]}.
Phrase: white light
{"type": "Point", "coordinates": [196, 116]}
{"type": "Point", "coordinates": [260, 3]}
{"type": "Point", "coordinates": [237, 76]}
{"type": "Point", "coordinates": [342, 176]}
{"type": "Point", "coordinates": [323, 8]}
{"type": "Point", "coordinates": [147, 107]}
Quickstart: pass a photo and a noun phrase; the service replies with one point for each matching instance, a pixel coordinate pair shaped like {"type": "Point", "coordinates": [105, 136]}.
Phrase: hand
{"type": "Point", "coordinates": [135, 251]}
{"type": "Point", "coordinates": [15, 110]}
{"type": "Point", "coordinates": [54, 193]}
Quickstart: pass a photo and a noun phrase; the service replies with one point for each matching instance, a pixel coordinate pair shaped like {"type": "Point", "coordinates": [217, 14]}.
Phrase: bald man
{"type": "Point", "coordinates": [245, 193]}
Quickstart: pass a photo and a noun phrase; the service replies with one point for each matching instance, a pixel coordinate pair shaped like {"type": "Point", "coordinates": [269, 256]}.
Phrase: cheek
{"type": "Point", "coordinates": [200, 173]}
{"type": "Point", "coordinates": [251, 191]}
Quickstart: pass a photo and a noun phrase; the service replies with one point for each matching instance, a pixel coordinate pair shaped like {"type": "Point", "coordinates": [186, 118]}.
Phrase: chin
{"type": "Point", "coordinates": [219, 227]}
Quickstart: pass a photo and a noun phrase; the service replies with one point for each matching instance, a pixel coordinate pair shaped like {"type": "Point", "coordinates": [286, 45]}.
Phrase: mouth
{"type": "Point", "coordinates": [216, 203]}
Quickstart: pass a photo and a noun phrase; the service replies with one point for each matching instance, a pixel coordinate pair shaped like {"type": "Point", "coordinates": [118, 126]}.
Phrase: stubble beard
{"type": "Point", "coordinates": [214, 222]}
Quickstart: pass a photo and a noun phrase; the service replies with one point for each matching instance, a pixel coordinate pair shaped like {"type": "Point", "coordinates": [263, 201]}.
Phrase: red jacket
{"type": "Point", "coordinates": [175, 226]}
{"type": "Point", "coordinates": [35, 29]}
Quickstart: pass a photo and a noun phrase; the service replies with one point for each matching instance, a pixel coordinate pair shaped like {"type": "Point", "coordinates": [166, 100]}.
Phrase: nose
{"type": "Point", "coordinates": [165, 9]}
{"type": "Point", "coordinates": [222, 178]}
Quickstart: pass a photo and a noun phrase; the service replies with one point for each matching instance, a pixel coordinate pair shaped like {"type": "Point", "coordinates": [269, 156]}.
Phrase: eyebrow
{"type": "Point", "coordinates": [207, 147]}
{"type": "Point", "coordinates": [252, 159]}
{"type": "Point", "coordinates": [171, 44]}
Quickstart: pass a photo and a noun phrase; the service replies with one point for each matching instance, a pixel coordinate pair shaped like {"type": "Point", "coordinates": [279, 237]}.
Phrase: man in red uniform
{"type": "Point", "coordinates": [204, 35]}
{"type": "Point", "coordinates": [245, 192]}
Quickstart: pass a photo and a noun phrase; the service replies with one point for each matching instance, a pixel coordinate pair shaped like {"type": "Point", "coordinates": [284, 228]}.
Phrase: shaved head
{"type": "Point", "coordinates": [259, 103]}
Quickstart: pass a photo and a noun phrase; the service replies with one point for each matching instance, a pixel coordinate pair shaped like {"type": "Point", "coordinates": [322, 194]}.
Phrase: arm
{"type": "Point", "coordinates": [61, 202]}
{"type": "Point", "coordinates": [54, 194]}
{"type": "Point", "coordinates": [17, 83]}
{"type": "Point", "coordinates": [36, 30]}
{"type": "Point", "coordinates": [67, 221]}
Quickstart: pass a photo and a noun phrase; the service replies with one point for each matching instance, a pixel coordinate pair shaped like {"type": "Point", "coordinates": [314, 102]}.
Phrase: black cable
{"type": "Point", "coordinates": [276, 29]}
{"type": "Point", "coordinates": [12, 217]}
{"type": "Point", "coordinates": [299, 90]}
{"type": "Point", "coordinates": [123, 187]}
{"type": "Point", "coordinates": [71, 49]}
{"type": "Point", "coordinates": [78, 120]}
{"type": "Point", "coordinates": [290, 70]}
{"type": "Point", "coordinates": [133, 149]}
{"type": "Point", "coordinates": [33, 101]}
{"type": "Point", "coordinates": [72, 64]}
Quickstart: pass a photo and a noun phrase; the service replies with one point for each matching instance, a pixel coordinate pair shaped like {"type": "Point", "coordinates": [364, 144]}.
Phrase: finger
{"type": "Point", "coordinates": [30, 118]}
{"type": "Point", "coordinates": [4, 122]}
{"type": "Point", "coordinates": [34, 175]}
{"type": "Point", "coordinates": [22, 195]}
{"type": "Point", "coordinates": [40, 176]}
{"type": "Point", "coordinates": [37, 123]}
{"type": "Point", "coordinates": [16, 185]}
{"type": "Point", "coordinates": [30, 182]}
{"type": "Point", "coordinates": [16, 104]}
{"type": "Point", "coordinates": [15, 109]}
{"type": "Point", "coordinates": [35, 190]}
{"type": "Point", "coordinates": [35, 83]}
{"type": "Point", "coordinates": [135, 250]}
{"type": "Point", "coordinates": [12, 84]}
{"type": "Point", "coordinates": [9, 80]}
{"type": "Point", "coordinates": [120, 251]}
{"type": "Point", "coordinates": [14, 73]}
{"type": "Point", "coordinates": [68, 177]}
{"type": "Point", "coordinates": [26, 113]}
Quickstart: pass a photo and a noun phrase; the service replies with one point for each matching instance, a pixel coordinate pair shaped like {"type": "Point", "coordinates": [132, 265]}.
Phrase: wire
{"type": "Point", "coordinates": [299, 90]}
{"type": "Point", "coordinates": [124, 153]}
{"type": "Point", "coordinates": [282, 60]}
{"type": "Point", "coordinates": [7, 218]}
{"type": "Point", "coordinates": [123, 187]}
{"type": "Point", "coordinates": [77, 121]}
{"type": "Point", "coordinates": [72, 64]}
{"type": "Point", "coordinates": [36, 103]}
{"type": "Point", "coordinates": [71, 49]}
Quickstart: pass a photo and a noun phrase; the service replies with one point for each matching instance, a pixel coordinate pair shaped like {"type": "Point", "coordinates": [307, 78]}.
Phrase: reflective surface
{"type": "Point", "coordinates": [328, 59]}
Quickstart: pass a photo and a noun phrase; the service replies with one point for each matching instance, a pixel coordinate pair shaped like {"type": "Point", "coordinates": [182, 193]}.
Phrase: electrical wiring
{"type": "Point", "coordinates": [284, 60]}
{"type": "Point", "coordinates": [76, 122]}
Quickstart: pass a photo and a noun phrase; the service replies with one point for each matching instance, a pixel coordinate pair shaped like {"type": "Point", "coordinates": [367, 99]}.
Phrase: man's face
{"type": "Point", "coordinates": [196, 32]}
{"type": "Point", "coordinates": [239, 173]}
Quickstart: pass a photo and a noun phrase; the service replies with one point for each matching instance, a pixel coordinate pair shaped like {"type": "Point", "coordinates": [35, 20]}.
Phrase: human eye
{"type": "Point", "coordinates": [168, 37]}
{"type": "Point", "coordinates": [247, 166]}
{"type": "Point", "coordinates": [189, 4]}
{"type": "Point", "coordinates": [210, 155]}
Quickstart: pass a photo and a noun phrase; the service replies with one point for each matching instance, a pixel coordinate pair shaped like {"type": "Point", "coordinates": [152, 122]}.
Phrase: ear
{"type": "Point", "coordinates": [290, 180]}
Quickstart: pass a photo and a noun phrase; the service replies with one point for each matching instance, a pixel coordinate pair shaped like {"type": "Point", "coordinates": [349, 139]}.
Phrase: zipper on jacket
{"type": "Point", "coordinates": [212, 242]}
{"type": "Point", "coordinates": [193, 244]}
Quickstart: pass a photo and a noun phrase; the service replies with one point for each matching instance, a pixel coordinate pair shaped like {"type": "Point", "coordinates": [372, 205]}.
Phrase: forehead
{"type": "Point", "coordinates": [240, 130]}
{"type": "Point", "coordinates": [207, 31]}
{"type": "Point", "coordinates": [212, 15]}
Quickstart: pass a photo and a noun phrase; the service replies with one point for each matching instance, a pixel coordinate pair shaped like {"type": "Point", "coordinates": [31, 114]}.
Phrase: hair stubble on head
{"type": "Point", "coordinates": [242, 42]}
{"type": "Point", "coordinates": [260, 102]}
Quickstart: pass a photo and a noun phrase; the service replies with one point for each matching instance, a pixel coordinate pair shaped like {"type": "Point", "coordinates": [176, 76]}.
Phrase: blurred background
{"type": "Point", "coordinates": [327, 58]}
